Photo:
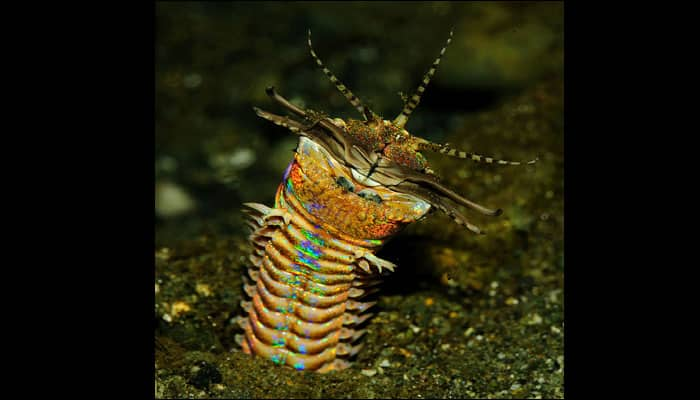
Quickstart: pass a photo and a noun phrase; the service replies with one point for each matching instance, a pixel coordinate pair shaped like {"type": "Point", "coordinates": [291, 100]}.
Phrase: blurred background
{"type": "Point", "coordinates": [214, 60]}
{"type": "Point", "coordinates": [498, 91]}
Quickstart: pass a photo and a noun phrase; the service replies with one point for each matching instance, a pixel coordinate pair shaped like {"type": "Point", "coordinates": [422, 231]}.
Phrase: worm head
{"type": "Point", "coordinates": [382, 154]}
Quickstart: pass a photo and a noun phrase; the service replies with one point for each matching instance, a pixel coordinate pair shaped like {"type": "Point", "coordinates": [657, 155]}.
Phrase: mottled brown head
{"type": "Point", "coordinates": [391, 141]}
{"type": "Point", "coordinates": [380, 151]}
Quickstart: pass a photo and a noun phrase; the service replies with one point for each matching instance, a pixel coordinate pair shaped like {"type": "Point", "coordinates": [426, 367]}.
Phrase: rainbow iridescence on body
{"type": "Point", "coordinates": [315, 254]}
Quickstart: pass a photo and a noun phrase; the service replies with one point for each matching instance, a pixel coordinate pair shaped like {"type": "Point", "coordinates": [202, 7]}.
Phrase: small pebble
{"type": "Point", "coordinates": [369, 372]}
{"type": "Point", "coordinates": [241, 158]}
{"type": "Point", "coordinates": [385, 364]}
{"type": "Point", "coordinates": [203, 289]}
{"type": "Point", "coordinates": [535, 319]}
{"type": "Point", "coordinates": [219, 387]}
{"type": "Point", "coordinates": [163, 254]}
{"type": "Point", "coordinates": [179, 307]}
{"type": "Point", "coordinates": [172, 200]}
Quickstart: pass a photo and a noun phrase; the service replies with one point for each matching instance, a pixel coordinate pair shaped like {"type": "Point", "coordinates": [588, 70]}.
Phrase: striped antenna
{"type": "Point", "coordinates": [412, 103]}
{"type": "Point", "coordinates": [364, 110]}
{"type": "Point", "coordinates": [449, 151]}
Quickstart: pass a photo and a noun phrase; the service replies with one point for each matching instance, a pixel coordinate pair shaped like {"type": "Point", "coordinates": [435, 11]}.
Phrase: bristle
{"type": "Point", "coordinates": [249, 289]}
{"type": "Point", "coordinates": [359, 306]}
{"type": "Point", "coordinates": [242, 322]}
{"type": "Point", "coordinates": [356, 293]}
{"type": "Point", "coordinates": [352, 319]}
{"type": "Point", "coordinates": [336, 365]}
{"type": "Point", "coordinates": [254, 275]}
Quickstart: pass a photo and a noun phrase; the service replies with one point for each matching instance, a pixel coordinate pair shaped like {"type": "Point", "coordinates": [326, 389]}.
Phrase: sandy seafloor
{"type": "Point", "coordinates": [464, 316]}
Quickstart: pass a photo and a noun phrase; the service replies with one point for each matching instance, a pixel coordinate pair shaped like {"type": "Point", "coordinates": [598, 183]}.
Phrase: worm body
{"type": "Point", "coordinates": [313, 261]}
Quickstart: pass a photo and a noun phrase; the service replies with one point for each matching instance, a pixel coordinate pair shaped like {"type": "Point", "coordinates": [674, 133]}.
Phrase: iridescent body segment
{"type": "Point", "coordinates": [314, 259]}
{"type": "Point", "coordinates": [350, 187]}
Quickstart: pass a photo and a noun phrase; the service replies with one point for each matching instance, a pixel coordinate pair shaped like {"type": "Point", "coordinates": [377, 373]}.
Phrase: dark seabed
{"type": "Point", "coordinates": [464, 315]}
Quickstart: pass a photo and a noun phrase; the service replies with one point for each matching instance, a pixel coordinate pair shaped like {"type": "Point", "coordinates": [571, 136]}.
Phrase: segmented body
{"type": "Point", "coordinates": [351, 186]}
{"type": "Point", "coordinates": [314, 260]}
